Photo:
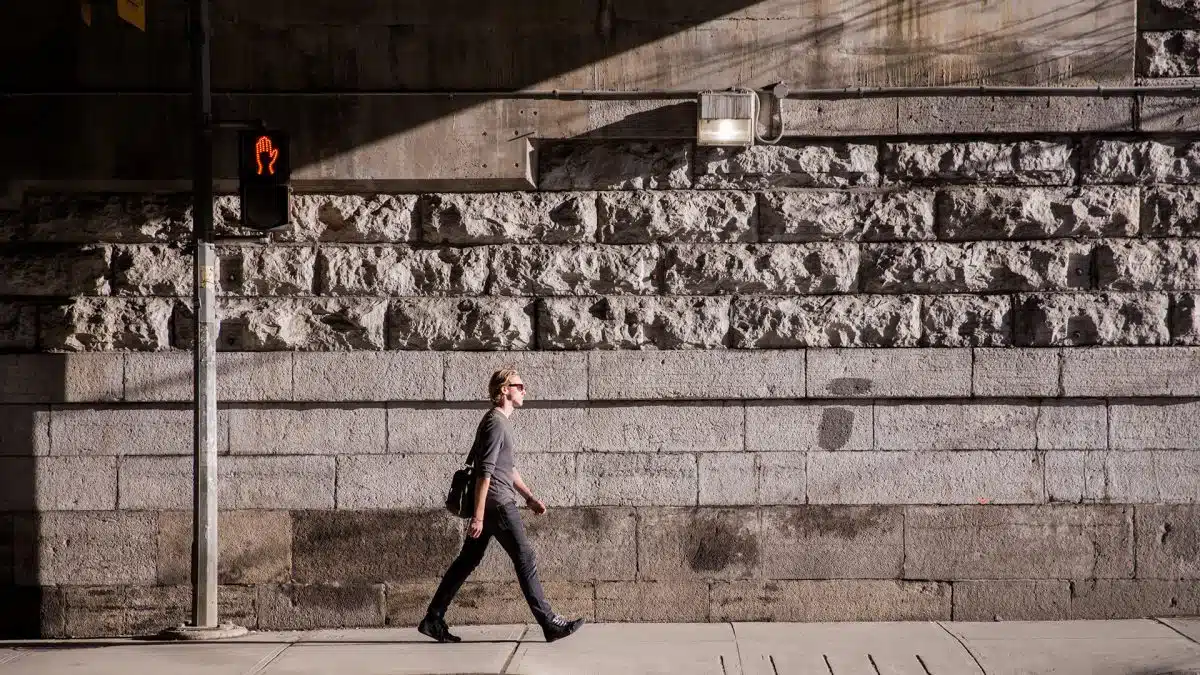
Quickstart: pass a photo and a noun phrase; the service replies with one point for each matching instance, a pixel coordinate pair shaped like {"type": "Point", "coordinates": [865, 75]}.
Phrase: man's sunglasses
{"type": "Point", "coordinates": [518, 385]}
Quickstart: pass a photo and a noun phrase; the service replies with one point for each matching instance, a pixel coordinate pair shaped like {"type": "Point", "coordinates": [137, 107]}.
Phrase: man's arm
{"type": "Point", "coordinates": [520, 485]}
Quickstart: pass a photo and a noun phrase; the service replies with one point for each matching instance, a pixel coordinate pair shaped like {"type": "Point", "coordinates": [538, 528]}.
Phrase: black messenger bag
{"type": "Point", "coordinates": [461, 499]}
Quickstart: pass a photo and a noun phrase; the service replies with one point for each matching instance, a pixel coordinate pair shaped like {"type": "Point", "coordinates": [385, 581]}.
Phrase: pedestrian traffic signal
{"type": "Point", "coordinates": [264, 168]}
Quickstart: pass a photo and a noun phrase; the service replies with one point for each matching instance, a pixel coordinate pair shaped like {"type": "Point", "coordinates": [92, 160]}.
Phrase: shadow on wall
{"type": "Point", "coordinates": [466, 45]}
{"type": "Point", "coordinates": [29, 610]}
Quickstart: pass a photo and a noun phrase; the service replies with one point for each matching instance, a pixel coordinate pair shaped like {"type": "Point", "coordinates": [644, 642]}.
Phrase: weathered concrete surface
{"type": "Point", "coordinates": [957, 425]}
{"type": "Point", "coordinates": [622, 322]}
{"type": "Point", "coordinates": [256, 547]}
{"type": "Point", "coordinates": [999, 114]}
{"type": "Point", "coordinates": [1012, 600]}
{"type": "Point", "coordinates": [782, 269]}
{"type": "Point", "coordinates": [982, 267]}
{"type": "Point", "coordinates": [107, 324]}
{"type": "Point", "coordinates": [691, 544]}
{"type": "Point", "coordinates": [575, 270]}
{"type": "Point", "coordinates": [925, 477]}
{"type": "Point", "coordinates": [460, 324]}
{"type": "Point", "coordinates": [1171, 211]}
{"type": "Point", "coordinates": [548, 376]}
{"type": "Point", "coordinates": [402, 271]}
{"type": "Point", "coordinates": [1128, 371]}
{"type": "Point", "coordinates": [1172, 265]}
{"type": "Point", "coordinates": [1169, 543]}
{"type": "Point", "coordinates": [578, 544]}
{"type": "Point", "coordinates": [404, 546]}
{"type": "Point", "coordinates": [1126, 161]}
{"type": "Point", "coordinates": [1072, 425]}
{"type": "Point", "coordinates": [307, 430]}
{"type": "Point", "coordinates": [241, 376]}
{"type": "Point", "coordinates": [367, 376]}
{"type": "Point", "coordinates": [790, 426]}
{"type": "Point", "coordinates": [1124, 476]}
{"type": "Point", "coordinates": [823, 542]}
{"type": "Point", "coordinates": [596, 166]}
{"type": "Point", "coordinates": [285, 324]}
{"type": "Point", "coordinates": [494, 218]}
{"type": "Point", "coordinates": [1080, 319]}
{"type": "Point", "coordinates": [61, 378]}
{"type": "Point", "coordinates": [833, 600]}
{"type": "Point", "coordinates": [1016, 372]}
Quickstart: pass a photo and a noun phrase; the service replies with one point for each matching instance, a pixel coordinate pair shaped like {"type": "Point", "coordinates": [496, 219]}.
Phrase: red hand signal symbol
{"type": "Point", "coordinates": [265, 147]}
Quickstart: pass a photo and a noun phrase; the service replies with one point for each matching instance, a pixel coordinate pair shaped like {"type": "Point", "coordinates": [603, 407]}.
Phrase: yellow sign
{"type": "Point", "coordinates": [85, 9]}
{"type": "Point", "coordinates": [133, 11]}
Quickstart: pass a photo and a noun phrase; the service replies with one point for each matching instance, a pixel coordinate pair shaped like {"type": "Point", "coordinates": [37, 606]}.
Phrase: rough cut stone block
{"type": "Point", "coordinates": [438, 429]}
{"type": "Point", "coordinates": [256, 547]}
{"type": "Point", "coordinates": [704, 543]}
{"type": "Point", "coordinates": [1018, 542]}
{"type": "Point", "coordinates": [804, 426]}
{"type": "Point", "coordinates": [966, 321]}
{"type": "Point", "coordinates": [838, 117]}
{"type": "Point", "coordinates": [266, 270]}
{"type": "Point", "coordinates": [1016, 372]}
{"type": "Point", "coordinates": [1046, 162]}
{"type": "Point", "coordinates": [695, 375]}
{"type": "Point", "coordinates": [1155, 425]}
{"type": "Point", "coordinates": [837, 215]}
{"type": "Point", "coordinates": [888, 373]}
{"type": "Point", "coordinates": [156, 269]}
{"type": "Point", "coordinates": [1131, 371]}
{"type": "Point", "coordinates": [54, 378]}
{"type": "Point", "coordinates": [76, 483]}
{"type": "Point", "coordinates": [241, 376]}
{"type": "Point", "coordinates": [107, 324]}
{"type": "Point", "coordinates": [152, 607]}
{"type": "Point", "coordinates": [826, 321]}
{"type": "Point", "coordinates": [1168, 543]}
{"type": "Point", "coordinates": [1073, 319]}
{"type": "Point", "coordinates": [957, 425]}
{"type": "Point", "coordinates": [1129, 161]}
{"type": "Point", "coordinates": [1171, 53]}
{"type": "Point", "coordinates": [1168, 113]}
{"type": "Point", "coordinates": [926, 477]}
{"type": "Point", "coordinates": [304, 607]}
{"type": "Point", "coordinates": [616, 322]}
{"type": "Point", "coordinates": [359, 219]}
{"type": "Point", "coordinates": [127, 430]}
{"type": "Point", "coordinates": [367, 376]}
{"type": "Point", "coordinates": [307, 430]}
{"type": "Point", "coordinates": [1072, 425]}
{"type": "Point", "coordinates": [974, 267]}
{"type": "Point", "coordinates": [652, 601]}
{"type": "Point", "coordinates": [245, 483]}
{"type": "Point", "coordinates": [373, 546]}
{"type": "Point", "coordinates": [460, 324]}
{"type": "Point", "coordinates": [285, 324]}
{"type": "Point", "coordinates": [1124, 476]}
{"type": "Point", "coordinates": [834, 600]}
{"type": "Point", "coordinates": [649, 427]}
{"type": "Point", "coordinates": [394, 481]}
{"type": "Point", "coordinates": [548, 376]}
{"type": "Point", "coordinates": [96, 610]}
{"type": "Point", "coordinates": [1169, 211]}
{"type": "Point", "coordinates": [782, 269]}
{"type": "Point", "coordinates": [1012, 600]}
{"type": "Point", "coordinates": [24, 430]}
{"type": "Point", "coordinates": [403, 271]}
{"type": "Point", "coordinates": [575, 270]}
{"type": "Point", "coordinates": [1168, 14]}
{"type": "Point", "coordinates": [614, 166]}
{"type": "Point", "coordinates": [1185, 318]}
{"type": "Point", "coordinates": [1137, 265]}
{"type": "Point", "coordinates": [684, 216]}
{"type": "Point", "coordinates": [1099, 599]}
{"type": "Point", "coordinates": [832, 542]}
{"type": "Point", "coordinates": [788, 164]}
{"type": "Point", "coordinates": [573, 544]}
{"type": "Point", "coordinates": [90, 218]}
{"type": "Point", "coordinates": [54, 270]}
{"type": "Point", "coordinates": [18, 326]}
{"type": "Point", "coordinates": [88, 549]}
{"type": "Point", "coordinates": [782, 478]}
{"type": "Point", "coordinates": [637, 479]}
{"type": "Point", "coordinates": [504, 217]}
{"type": "Point", "coordinates": [728, 479]}
{"type": "Point", "coordinates": [1022, 213]}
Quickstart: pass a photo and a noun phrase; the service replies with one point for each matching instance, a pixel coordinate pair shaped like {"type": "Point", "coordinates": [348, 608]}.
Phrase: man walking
{"type": "Point", "coordinates": [497, 483]}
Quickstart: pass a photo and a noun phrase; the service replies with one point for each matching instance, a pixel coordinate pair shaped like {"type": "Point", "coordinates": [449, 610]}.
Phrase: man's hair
{"type": "Point", "coordinates": [499, 379]}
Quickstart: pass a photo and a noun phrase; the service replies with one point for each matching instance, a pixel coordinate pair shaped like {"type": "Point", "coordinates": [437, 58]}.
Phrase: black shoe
{"type": "Point", "coordinates": [559, 628]}
{"type": "Point", "coordinates": [436, 628]}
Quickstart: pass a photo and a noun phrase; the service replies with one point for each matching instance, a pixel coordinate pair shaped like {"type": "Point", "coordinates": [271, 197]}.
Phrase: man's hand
{"type": "Point", "coordinates": [476, 528]}
{"type": "Point", "coordinates": [535, 504]}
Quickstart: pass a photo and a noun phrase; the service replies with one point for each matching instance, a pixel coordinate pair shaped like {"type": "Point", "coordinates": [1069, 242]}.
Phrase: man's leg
{"type": "Point", "coordinates": [466, 562]}
{"type": "Point", "coordinates": [510, 532]}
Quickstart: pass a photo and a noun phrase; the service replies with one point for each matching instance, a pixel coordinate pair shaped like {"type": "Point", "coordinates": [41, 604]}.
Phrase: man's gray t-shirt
{"type": "Point", "coordinates": [493, 453]}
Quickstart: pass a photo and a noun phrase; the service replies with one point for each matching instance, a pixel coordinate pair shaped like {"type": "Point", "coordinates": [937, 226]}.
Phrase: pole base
{"type": "Point", "coordinates": [223, 631]}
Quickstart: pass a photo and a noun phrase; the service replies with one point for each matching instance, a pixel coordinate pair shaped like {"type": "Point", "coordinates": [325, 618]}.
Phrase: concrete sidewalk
{"type": "Point", "coordinates": [1127, 647]}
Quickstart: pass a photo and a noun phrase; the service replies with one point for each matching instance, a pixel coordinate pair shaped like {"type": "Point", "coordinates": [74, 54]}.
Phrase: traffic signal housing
{"type": "Point", "coordinates": [264, 168]}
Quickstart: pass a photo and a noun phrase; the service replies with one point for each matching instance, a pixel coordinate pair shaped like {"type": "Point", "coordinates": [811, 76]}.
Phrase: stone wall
{"type": "Point", "coordinates": [861, 379]}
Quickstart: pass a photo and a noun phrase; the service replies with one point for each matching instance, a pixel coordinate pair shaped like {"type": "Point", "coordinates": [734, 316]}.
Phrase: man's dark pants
{"type": "Point", "coordinates": [504, 523]}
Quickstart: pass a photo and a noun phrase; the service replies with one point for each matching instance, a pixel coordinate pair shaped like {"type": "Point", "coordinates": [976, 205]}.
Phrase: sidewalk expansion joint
{"type": "Point", "coordinates": [268, 660]}
{"type": "Point", "coordinates": [1187, 637]}
{"type": "Point", "coordinates": [964, 646]}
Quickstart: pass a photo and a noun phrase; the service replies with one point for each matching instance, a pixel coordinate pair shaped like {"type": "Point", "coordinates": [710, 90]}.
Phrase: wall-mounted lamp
{"type": "Point", "coordinates": [726, 118]}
